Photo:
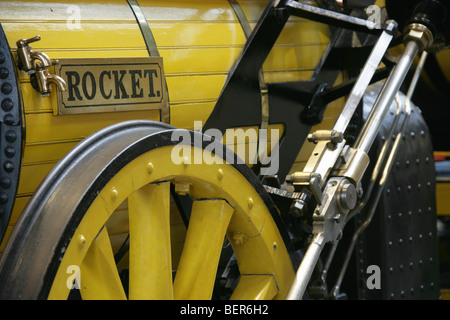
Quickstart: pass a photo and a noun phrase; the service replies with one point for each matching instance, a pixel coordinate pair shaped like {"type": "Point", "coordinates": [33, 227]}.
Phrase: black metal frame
{"type": "Point", "coordinates": [297, 105]}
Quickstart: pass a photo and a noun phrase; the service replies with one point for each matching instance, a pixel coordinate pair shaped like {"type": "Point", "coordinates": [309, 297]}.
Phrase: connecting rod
{"type": "Point", "coordinates": [325, 227]}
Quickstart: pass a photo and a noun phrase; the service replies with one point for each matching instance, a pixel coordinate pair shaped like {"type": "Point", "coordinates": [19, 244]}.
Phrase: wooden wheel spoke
{"type": "Point", "coordinates": [98, 271]}
{"type": "Point", "coordinates": [150, 247]}
{"type": "Point", "coordinates": [255, 287]}
{"type": "Point", "coordinates": [200, 257]}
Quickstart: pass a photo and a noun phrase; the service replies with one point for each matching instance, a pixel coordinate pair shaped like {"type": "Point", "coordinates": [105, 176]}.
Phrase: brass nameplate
{"type": "Point", "coordinates": [111, 84]}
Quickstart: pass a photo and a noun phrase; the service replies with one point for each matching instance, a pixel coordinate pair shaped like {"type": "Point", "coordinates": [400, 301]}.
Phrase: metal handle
{"type": "Point", "coordinates": [24, 42]}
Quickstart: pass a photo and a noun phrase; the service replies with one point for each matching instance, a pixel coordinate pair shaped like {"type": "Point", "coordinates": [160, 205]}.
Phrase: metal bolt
{"type": "Point", "coordinates": [81, 240]}
{"type": "Point", "coordinates": [150, 167]}
{"type": "Point", "coordinates": [298, 208]}
{"type": "Point", "coordinates": [250, 202]}
{"type": "Point", "coordinates": [220, 174]}
{"type": "Point", "coordinates": [347, 196]}
{"type": "Point", "coordinates": [186, 161]}
{"type": "Point", "coordinates": [239, 238]}
{"type": "Point", "coordinates": [419, 33]}
{"type": "Point", "coordinates": [114, 193]}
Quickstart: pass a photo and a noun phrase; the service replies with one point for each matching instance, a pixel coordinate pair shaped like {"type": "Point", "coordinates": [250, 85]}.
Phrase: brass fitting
{"type": "Point", "coordinates": [419, 33]}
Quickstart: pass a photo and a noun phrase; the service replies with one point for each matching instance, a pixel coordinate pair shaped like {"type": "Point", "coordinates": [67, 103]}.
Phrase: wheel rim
{"type": "Point", "coordinates": [225, 204]}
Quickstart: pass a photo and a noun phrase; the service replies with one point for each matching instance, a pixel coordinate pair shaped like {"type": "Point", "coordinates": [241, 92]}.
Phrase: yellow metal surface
{"type": "Point", "coordinates": [442, 198]}
{"type": "Point", "coordinates": [260, 251]}
{"type": "Point", "coordinates": [196, 271]}
{"type": "Point", "coordinates": [100, 277]}
{"type": "Point", "coordinates": [150, 249]}
{"type": "Point", "coordinates": [255, 287]}
{"type": "Point", "coordinates": [198, 40]}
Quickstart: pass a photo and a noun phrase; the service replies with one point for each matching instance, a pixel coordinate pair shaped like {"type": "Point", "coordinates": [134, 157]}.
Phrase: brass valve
{"type": "Point", "coordinates": [35, 63]}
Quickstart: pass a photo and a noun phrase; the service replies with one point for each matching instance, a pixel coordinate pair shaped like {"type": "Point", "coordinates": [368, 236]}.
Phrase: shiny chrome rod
{"type": "Point", "coordinates": [386, 96]}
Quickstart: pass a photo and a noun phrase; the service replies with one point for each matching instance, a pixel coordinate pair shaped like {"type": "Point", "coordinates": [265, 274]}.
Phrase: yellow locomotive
{"type": "Point", "coordinates": [156, 150]}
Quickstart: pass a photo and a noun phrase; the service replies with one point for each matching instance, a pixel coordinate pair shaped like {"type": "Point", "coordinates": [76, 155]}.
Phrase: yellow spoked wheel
{"type": "Point", "coordinates": [105, 222]}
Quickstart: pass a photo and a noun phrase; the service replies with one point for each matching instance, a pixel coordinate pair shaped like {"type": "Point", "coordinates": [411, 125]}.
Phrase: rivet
{"type": "Point", "coordinates": [275, 246]}
{"type": "Point", "coordinates": [7, 104]}
{"type": "Point", "coordinates": [239, 238]}
{"type": "Point", "coordinates": [150, 167]}
{"type": "Point", "coordinates": [186, 161]}
{"type": "Point", "coordinates": [4, 73]}
{"type": "Point", "coordinates": [114, 193]}
{"type": "Point", "coordinates": [8, 119]}
{"type": "Point", "coordinates": [3, 198]}
{"type": "Point", "coordinates": [5, 183]}
{"type": "Point", "coordinates": [250, 202]}
{"type": "Point", "coordinates": [220, 174]}
{"type": "Point", "coordinates": [8, 166]}
{"type": "Point", "coordinates": [6, 88]}
{"type": "Point", "coordinates": [10, 136]}
{"type": "Point", "coordinates": [10, 152]}
{"type": "Point", "coordinates": [81, 240]}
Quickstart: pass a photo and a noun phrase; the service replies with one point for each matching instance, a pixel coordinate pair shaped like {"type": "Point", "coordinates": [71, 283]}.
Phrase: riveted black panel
{"type": "Point", "coordinates": [402, 238]}
{"type": "Point", "coordinates": [10, 133]}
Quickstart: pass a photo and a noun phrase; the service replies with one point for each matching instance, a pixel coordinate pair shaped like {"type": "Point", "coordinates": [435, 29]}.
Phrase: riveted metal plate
{"type": "Point", "coordinates": [10, 133]}
{"type": "Point", "coordinates": [402, 238]}
{"type": "Point", "coordinates": [111, 84]}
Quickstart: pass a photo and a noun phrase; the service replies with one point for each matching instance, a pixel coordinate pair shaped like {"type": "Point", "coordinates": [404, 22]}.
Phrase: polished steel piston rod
{"type": "Point", "coordinates": [418, 38]}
